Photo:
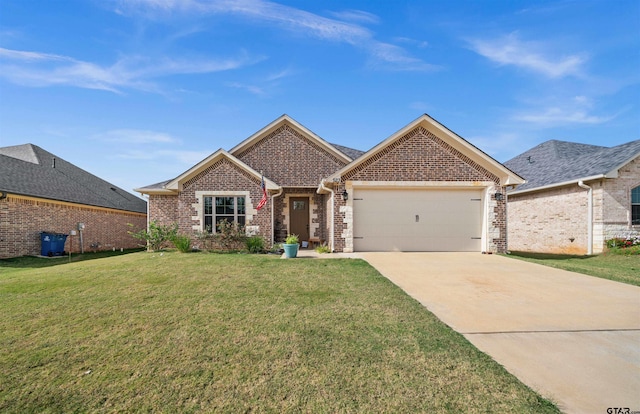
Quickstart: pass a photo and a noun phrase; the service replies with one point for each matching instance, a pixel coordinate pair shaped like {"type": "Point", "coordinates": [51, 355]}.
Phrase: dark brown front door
{"type": "Point", "coordinates": [299, 214]}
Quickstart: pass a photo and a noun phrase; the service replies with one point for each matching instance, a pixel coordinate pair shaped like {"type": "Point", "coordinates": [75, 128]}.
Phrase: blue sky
{"type": "Point", "coordinates": [138, 91]}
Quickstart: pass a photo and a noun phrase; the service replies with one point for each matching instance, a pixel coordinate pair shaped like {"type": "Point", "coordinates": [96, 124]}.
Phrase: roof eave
{"type": "Point", "coordinates": [561, 184]}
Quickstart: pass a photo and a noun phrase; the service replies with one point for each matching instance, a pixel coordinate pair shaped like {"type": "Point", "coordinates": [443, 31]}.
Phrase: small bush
{"type": "Point", "coordinates": [228, 237]}
{"type": "Point", "coordinates": [292, 239]}
{"type": "Point", "coordinates": [182, 243]}
{"type": "Point", "coordinates": [156, 235]}
{"type": "Point", "coordinates": [255, 244]}
{"type": "Point", "coordinates": [323, 248]}
{"type": "Point", "coordinates": [624, 245]}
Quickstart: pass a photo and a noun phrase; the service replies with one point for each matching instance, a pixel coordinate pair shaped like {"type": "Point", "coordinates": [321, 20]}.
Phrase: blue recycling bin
{"type": "Point", "coordinates": [52, 244]}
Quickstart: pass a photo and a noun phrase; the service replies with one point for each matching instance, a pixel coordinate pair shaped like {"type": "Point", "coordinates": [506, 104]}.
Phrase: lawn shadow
{"type": "Point", "coordinates": [35, 262]}
{"type": "Point", "coordinates": [548, 256]}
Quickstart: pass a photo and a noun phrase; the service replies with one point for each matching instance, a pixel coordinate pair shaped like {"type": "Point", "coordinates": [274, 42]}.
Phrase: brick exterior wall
{"type": "Point", "coordinates": [22, 220]}
{"type": "Point", "coordinates": [290, 160]}
{"type": "Point", "coordinates": [420, 156]}
{"type": "Point", "coordinates": [546, 221]}
{"type": "Point", "coordinates": [615, 211]}
{"type": "Point", "coordinates": [163, 208]}
{"type": "Point", "coordinates": [222, 176]}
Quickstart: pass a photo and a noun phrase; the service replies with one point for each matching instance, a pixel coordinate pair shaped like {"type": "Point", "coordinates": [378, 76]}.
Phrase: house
{"type": "Point", "coordinates": [576, 197]}
{"type": "Point", "coordinates": [422, 189]}
{"type": "Point", "coordinates": [40, 192]}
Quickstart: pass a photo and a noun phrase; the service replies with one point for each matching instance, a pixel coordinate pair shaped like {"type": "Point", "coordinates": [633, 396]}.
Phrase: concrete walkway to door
{"type": "Point", "coordinates": [575, 339]}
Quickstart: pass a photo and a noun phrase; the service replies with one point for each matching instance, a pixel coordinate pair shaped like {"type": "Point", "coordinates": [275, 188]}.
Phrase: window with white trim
{"type": "Point", "coordinates": [219, 208]}
{"type": "Point", "coordinates": [635, 206]}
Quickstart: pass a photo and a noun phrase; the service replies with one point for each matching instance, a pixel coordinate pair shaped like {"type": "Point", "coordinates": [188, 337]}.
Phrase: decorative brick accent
{"type": "Point", "coordinates": [289, 159]}
{"type": "Point", "coordinates": [22, 219]}
{"type": "Point", "coordinates": [419, 156]}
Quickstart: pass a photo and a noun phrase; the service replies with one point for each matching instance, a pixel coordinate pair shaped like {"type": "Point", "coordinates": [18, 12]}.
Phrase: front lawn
{"type": "Point", "coordinates": [234, 333]}
{"type": "Point", "coordinates": [621, 268]}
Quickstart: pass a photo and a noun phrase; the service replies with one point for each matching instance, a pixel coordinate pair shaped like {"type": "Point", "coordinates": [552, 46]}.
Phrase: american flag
{"type": "Point", "coordinates": [263, 201]}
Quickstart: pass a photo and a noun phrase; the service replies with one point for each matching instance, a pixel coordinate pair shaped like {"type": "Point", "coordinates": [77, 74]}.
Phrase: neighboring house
{"type": "Point", "coordinates": [576, 197]}
{"type": "Point", "coordinates": [422, 189]}
{"type": "Point", "coordinates": [40, 192]}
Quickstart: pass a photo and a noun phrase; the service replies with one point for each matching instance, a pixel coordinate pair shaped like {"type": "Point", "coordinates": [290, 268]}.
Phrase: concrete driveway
{"type": "Point", "coordinates": [575, 339]}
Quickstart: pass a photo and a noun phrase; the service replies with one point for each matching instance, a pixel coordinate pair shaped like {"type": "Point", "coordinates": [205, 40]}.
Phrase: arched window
{"type": "Point", "coordinates": [635, 206]}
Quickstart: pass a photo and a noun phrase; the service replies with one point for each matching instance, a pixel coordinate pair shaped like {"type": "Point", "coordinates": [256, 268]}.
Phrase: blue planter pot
{"type": "Point", "coordinates": [290, 250]}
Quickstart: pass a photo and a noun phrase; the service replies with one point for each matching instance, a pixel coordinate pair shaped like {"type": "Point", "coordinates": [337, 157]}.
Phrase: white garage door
{"type": "Point", "coordinates": [417, 220]}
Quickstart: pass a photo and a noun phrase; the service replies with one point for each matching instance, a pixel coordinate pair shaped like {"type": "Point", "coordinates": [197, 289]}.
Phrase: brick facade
{"type": "Point", "coordinates": [223, 178]}
{"type": "Point", "coordinates": [290, 159]}
{"type": "Point", "coordinates": [555, 220]}
{"type": "Point", "coordinates": [22, 219]}
{"type": "Point", "coordinates": [296, 161]}
{"type": "Point", "coordinates": [419, 155]}
{"type": "Point", "coordinates": [615, 211]}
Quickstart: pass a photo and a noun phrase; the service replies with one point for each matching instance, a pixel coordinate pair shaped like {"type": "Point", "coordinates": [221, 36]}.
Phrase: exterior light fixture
{"type": "Point", "coordinates": [499, 196]}
{"type": "Point", "coordinates": [345, 195]}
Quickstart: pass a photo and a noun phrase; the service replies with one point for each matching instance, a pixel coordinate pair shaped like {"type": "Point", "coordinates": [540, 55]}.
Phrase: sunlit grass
{"type": "Point", "coordinates": [234, 333]}
{"type": "Point", "coordinates": [621, 268]}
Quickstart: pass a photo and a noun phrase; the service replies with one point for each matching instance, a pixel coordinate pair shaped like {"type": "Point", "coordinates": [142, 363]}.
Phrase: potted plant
{"type": "Point", "coordinates": [290, 246]}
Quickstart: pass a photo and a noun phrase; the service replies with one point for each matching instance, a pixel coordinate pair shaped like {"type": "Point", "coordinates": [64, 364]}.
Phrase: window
{"type": "Point", "coordinates": [217, 209]}
{"type": "Point", "coordinates": [635, 206]}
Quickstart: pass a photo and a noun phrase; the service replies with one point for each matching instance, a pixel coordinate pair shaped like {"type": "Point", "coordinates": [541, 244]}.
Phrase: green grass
{"type": "Point", "coordinates": [620, 268]}
{"type": "Point", "coordinates": [233, 333]}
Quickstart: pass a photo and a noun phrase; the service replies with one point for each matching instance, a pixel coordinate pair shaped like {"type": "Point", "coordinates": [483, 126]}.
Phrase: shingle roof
{"type": "Point", "coordinates": [554, 162]}
{"type": "Point", "coordinates": [31, 171]}
{"type": "Point", "coordinates": [349, 152]}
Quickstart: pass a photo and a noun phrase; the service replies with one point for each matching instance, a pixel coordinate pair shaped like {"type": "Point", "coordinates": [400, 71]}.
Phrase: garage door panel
{"type": "Point", "coordinates": [417, 220]}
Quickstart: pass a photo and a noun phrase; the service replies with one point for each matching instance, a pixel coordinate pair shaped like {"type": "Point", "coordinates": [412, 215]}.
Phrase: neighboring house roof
{"type": "Point", "coordinates": [554, 163]}
{"type": "Point", "coordinates": [506, 176]}
{"type": "Point", "coordinates": [29, 170]}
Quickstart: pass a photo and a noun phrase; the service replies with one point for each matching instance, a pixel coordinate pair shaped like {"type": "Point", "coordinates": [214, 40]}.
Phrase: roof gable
{"type": "Point", "coordinates": [456, 142]}
{"type": "Point", "coordinates": [554, 162]}
{"type": "Point", "coordinates": [177, 183]}
{"type": "Point", "coordinates": [305, 132]}
{"type": "Point", "coordinates": [31, 171]}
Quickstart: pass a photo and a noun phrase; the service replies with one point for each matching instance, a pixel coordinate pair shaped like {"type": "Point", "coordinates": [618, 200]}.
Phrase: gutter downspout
{"type": "Point", "coordinates": [589, 217]}
{"type": "Point", "coordinates": [331, 227]}
{"type": "Point", "coordinates": [273, 228]}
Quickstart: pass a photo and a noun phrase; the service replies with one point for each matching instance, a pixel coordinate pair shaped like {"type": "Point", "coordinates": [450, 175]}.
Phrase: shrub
{"type": "Point", "coordinates": [624, 245]}
{"type": "Point", "coordinates": [228, 237]}
{"type": "Point", "coordinates": [182, 243]}
{"type": "Point", "coordinates": [255, 244]}
{"type": "Point", "coordinates": [292, 239]}
{"type": "Point", "coordinates": [156, 235]}
{"type": "Point", "coordinates": [323, 248]}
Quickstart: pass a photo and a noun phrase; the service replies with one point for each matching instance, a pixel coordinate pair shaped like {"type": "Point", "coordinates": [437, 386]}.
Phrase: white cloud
{"type": "Point", "coordinates": [43, 69]}
{"type": "Point", "coordinates": [534, 56]}
{"type": "Point", "coordinates": [555, 116]}
{"type": "Point", "coordinates": [136, 136]}
{"type": "Point", "coordinates": [343, 30]}
{"type": "Point", "coordinates": [256, 90]}
{"type": "Point", "coordinates": [357, 16]}
{"type": "Point", "coordinates": [184, 158]}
